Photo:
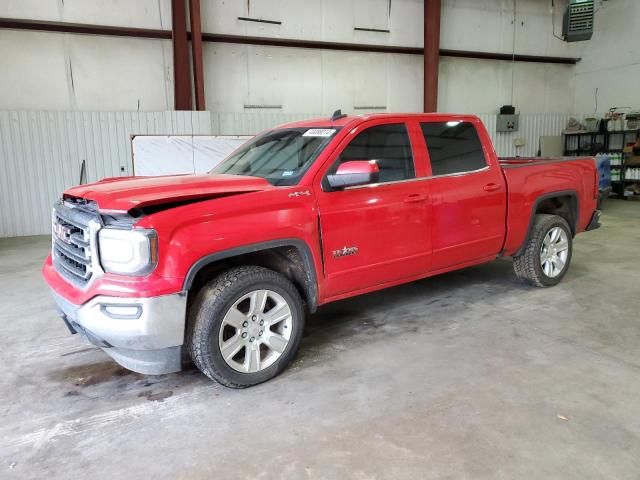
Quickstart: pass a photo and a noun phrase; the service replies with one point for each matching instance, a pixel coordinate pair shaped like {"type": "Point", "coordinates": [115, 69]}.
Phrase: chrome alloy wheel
{"type": "Point", "coordinates": [554, 252]}
{"type": "Point", "coordinates": [255, 331]}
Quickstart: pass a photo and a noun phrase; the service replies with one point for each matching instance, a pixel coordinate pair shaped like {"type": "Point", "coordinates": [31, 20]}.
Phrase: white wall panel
{"type": "Point", "coordinates": [467, 85]}
{"type": "Point", "coordinates": [404, 83]}
{"type": "Point", "coordinates": [226, 76]}
{"type": "Point", "coordinates": [466, 24]}
{"type": "Point", "coordinates": [328, 20]}
{"type": "Point", "coordinates": [338, 90]}
{"type": "Point", "coordinates": [53, 71]}
{"type": "Point", "coordinates": [222, 16]}
{"type": "Point", "coordinates": [322, 80]}
{"type": "Point", "coordinates": [338, 21]}
{"type": "Point", "coordinates": [251, 123]}
{"type": "Point", "coordinates": [41, 153]}
{"type": "Point", "coordinates": [126, 13]}
{"type": "Point", "coordinates": [406, 23]}
{"type": "Point", "coordinates": [34, 9]}
{"type": "Point", "coordinates": [610, 67]}
{"type": "Point", "coordinates": [33, 71]}
{"type": "Point", "coordinates": [372, 14]}
{"type": "Point", "coordinates": [115, 74]}
{"type": "Point", "coordinates": [299, 19]}
{"type": "Point", "coordinates": [367, 77]}
{"type": "Point", "coordinates": [290, 77]}
{"type": "Point", "coordinates": [487, 25]}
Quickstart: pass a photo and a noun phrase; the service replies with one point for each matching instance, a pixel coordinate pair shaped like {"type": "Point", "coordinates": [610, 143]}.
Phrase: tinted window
{"type": "Point", "coordinates": [454, 147]}
{"type": "Point", "coordinates": [389, 146]}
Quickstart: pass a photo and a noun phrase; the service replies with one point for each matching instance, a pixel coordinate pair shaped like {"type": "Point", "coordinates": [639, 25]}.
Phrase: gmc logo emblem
{"type": "Point", "coordinates": [61, 232]}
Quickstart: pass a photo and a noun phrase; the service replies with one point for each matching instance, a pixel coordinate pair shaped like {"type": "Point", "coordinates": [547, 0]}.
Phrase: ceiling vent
{"type": "Point", "coordinates": [578, 21]}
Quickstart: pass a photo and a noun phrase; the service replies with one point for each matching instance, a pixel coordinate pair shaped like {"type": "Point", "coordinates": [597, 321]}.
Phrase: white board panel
{"type": "Point", "coordinates": [175, 154]}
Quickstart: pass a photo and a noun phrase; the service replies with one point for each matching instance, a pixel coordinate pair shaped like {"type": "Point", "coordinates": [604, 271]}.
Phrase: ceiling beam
{"type": "Point", "coordinates": [106, 30]}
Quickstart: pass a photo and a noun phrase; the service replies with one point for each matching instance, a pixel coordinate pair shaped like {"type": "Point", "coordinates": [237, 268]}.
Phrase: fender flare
{"type": "Point", "coordinates": [311, 278]}
{"type": "Point", "coordinates": [575, 211]}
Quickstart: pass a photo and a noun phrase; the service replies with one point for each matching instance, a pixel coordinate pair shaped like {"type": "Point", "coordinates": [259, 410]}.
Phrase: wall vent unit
{"type": "Point", "coordinates": [578, 21]}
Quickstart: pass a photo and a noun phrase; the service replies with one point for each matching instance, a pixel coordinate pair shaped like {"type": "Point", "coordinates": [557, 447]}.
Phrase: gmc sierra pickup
{"type": "Point", "coordinates": [223, 267]}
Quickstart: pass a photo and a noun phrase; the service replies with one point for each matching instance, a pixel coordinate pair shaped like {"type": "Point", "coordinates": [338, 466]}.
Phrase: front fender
{"type": "Point", "coordinates": [195, 235]}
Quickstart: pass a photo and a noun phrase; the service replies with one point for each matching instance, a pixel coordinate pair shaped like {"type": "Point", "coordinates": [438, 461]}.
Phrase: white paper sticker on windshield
{"type": "Point", "coordinates": [319, 132]}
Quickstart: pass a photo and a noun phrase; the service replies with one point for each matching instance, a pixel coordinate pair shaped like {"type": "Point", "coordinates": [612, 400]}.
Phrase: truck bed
{"type": "Point", "coordinates": [510, 162]}
{"type": "Point", "coordinates": [530, 180]}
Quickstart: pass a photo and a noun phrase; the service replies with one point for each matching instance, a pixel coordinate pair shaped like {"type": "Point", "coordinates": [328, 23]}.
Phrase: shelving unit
{"type": "Point", "coordinates": [591, 143]}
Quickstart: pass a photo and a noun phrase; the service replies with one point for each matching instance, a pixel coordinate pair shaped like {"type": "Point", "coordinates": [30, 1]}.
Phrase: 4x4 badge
{"type": "Point", "coordinates": [299, 194]}
{"type": "Point", "coordinates": [345, 252]}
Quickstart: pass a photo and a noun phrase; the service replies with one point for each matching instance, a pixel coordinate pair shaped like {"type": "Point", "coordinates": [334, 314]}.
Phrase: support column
{"type": "Point", "coordinates": [196, 52]}
{"type": "Point", "coordinates": [181, 77]}
{"type": "Point", "coordinates": [432, 9]}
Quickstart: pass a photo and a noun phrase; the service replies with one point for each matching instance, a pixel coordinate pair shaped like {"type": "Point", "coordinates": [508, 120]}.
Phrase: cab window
{"type": "Point", "coordinates": [388, 145]}
{"type": "Point", "coordinates": [454, 147]}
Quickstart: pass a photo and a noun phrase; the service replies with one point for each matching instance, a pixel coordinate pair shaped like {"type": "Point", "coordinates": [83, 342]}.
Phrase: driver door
{"type": "Point", "coordinates": [376, 234]}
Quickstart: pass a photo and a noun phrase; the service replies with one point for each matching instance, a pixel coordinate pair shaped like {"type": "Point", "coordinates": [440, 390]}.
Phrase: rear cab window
{"type": "Point", "coordinates": [453, 146]}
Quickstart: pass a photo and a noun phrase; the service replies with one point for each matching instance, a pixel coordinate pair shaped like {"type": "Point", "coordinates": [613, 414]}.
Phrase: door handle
{"type": "Point", "coordinates": [415, 197]}
{"type": "Point", "coordinates": [491, 187]}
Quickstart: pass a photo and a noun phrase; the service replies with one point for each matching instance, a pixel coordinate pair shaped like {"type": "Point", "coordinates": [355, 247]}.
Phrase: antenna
{"type": "Point", "coordinates": [337, 115]}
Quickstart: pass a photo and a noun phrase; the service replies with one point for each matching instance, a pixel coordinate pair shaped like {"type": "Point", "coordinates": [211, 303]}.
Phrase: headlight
{"type": "Point", "coordinates": [128, 252]}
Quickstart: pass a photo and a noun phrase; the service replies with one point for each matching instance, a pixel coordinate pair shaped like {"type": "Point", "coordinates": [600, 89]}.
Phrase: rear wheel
{"type": "Point", "coordinates": [547, 254]}
{"type": "Point", "coordinates": [245, 326]}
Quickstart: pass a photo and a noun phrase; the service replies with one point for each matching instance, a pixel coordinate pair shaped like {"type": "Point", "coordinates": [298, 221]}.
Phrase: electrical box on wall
{"type": "Point", "coordinates": [508, 123]}
{"type": "Point", "coordinates": [578, 21]}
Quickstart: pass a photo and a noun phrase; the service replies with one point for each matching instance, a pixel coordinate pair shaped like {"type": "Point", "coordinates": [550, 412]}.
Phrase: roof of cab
{"type": "Point", "coordinates": [326, 122]}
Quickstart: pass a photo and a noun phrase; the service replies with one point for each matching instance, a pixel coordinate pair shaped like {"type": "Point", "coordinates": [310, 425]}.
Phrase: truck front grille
{"type": "Point", "coordinates": [73, 237]}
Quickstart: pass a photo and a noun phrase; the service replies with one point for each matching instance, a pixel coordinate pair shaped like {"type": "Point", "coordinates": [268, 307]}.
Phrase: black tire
{"type": "Point", "coordinates": [527, 265]}
{"type": "Point", "coordinates": [209, 308]}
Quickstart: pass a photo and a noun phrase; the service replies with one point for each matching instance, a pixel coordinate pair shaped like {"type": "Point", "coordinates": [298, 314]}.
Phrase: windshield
{"type": "Point", "coordinates": [279, 156]}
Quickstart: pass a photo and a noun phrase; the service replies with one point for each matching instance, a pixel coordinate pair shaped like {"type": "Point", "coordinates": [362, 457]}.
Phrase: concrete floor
{"type": "Point", "coordinates": [467, 375]}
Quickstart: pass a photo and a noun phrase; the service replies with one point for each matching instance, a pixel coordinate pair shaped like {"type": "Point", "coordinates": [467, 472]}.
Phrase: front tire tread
{"type": "Point", "coordinates": [207, 311]}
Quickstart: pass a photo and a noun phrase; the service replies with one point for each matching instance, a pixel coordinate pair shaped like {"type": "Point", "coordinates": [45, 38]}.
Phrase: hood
{"type": "Point", "coordinates": [125, 193]}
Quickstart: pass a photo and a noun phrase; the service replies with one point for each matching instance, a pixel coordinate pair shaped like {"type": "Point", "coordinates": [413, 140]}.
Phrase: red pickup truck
{"type": "Point", "coordinates": [223, 267]}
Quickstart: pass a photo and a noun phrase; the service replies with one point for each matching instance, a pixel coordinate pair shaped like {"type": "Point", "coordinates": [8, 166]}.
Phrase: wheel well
{"type": "Point", "coordinates": [286, 260]}
{"type": "Point", "coordinates": [564, 206]}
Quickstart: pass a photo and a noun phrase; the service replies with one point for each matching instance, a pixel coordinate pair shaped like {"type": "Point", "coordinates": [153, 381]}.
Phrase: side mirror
{"type": "Point", "coordinates": [354, 173]}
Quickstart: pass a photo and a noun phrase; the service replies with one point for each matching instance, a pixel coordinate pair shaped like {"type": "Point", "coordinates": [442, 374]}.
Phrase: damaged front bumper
{"type": "Point", "coordinates": [144, 335]}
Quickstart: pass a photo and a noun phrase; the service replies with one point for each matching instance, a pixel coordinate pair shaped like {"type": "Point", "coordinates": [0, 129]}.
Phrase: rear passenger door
{"type": "Point", "coordinates": [375, 234]}
{"type": "Point", "coordinates": [467, 192]}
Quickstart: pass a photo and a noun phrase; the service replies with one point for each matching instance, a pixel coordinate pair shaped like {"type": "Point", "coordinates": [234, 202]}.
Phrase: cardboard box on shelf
{"type": "Point", "coordinates": [633, 160]}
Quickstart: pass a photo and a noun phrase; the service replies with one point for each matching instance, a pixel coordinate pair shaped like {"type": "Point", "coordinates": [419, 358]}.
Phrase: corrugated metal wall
{"type": "Point", "coordinates": [532, 127]}
{"type": "Point", "coordinates": [41, 153]}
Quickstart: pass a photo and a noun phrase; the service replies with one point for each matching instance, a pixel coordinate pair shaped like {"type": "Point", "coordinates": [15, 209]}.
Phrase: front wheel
{"type": "Point", "coordinates": [547, 254]}
{"type": "Point", "coordinates": [245, 326]}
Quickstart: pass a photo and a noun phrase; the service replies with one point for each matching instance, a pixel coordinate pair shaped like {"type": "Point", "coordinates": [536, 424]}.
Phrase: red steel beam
{"type": "Point", "coordinates": [181, 76]}
{"type": "Point", "coordinates": [196, 52]}
{"type": "Point", "coordinates": [106, 30]}
{"type": "Point", "coordinates": [432, 9]}
{"type": "Point", "coordinates": [83, 28]}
